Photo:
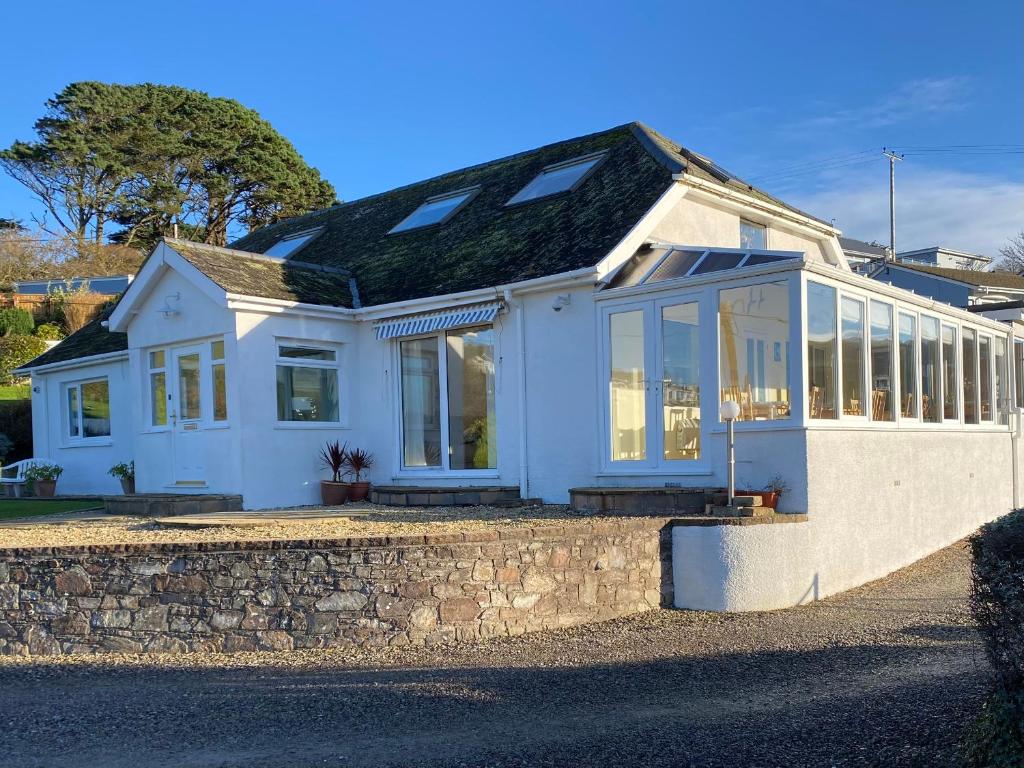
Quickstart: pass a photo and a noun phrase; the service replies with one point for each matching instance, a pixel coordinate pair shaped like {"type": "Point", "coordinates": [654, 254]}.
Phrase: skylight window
{"type": "Point", "coordinates": [661, 264]}
{"type": "Point", "coordinates": [287, 246]}
{"type": "Point", "coordinates": [436, 210]}
{"type": "Point", "coordinates": [557, 178]}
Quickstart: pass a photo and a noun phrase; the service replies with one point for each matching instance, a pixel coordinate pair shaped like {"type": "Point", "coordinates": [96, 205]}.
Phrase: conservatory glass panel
{"type": "Point", "coordinates": [970, 376]}
{"type": "Point", "coordinates": [821, 350]}
{"type": "Point", "coordinates": [908, 365]}
{"type": "Point", "coordinates": [881, 362]}
{"type": "Point", "coordinates": [854, 402]}
{"type": "Point", "coordinates": [471, 419]}
{"type": "Point", "coordinates": [930, 373]}
{"type": "Point", "coordinates": [949, 380]}
{"type": "Point", "coordinates": [1002, 382]}
{"type": "Point", "coordinates": [1018, 368]}
{"type": "Point", "coordinates": [680, 382]}
{"type": "Point", "coordinates": [753, 349]}
{"type": "Point", "coordinates": [985, 380]}
{"type": "Point", "coordinates": [627, 395]}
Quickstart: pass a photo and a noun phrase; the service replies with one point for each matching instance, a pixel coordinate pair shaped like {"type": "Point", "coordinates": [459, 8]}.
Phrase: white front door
{"type": "Point", "coordinates": [186, 413]}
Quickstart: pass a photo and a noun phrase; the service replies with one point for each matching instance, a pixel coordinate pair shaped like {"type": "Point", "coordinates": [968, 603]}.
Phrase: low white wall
{"type": "Point", "coordinates": [877, 501]}
{"type": "Point", "coordinates": [85, 465]}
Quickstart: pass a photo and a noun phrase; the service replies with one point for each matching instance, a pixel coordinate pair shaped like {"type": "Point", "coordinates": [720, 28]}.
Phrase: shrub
{"type": "Point", "coordinates": [49, 332]}
{"type": "Point", "coordinates": [14, 321]}
{"type": "Point", "coordinates": [15, 351]}
{"type": "Point", "coordinates": [997, 602]}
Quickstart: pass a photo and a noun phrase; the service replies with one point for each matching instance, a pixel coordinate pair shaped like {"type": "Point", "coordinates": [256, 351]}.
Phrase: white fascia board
{"type": "Point", "coordinates": [242, 302]}
{"type": "Point", "coordinates": [77, 362]}
{"type": "Point", "coordinates": [640, 232]}
{"type": "Point", "coordinates": [802, 224]}
{"type": "Point", "coordinates": [157, 263]}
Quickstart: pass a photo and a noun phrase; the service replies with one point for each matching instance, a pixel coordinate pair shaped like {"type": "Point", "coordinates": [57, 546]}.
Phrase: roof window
{"type": "Point", "coordinates": [287, 246]}
{"type": "Point", "coordinates": [436, 210]}
{"type": "Point", "coordinates": [659, 264]}
{"type": "Point", "coordinates": [560, 177]}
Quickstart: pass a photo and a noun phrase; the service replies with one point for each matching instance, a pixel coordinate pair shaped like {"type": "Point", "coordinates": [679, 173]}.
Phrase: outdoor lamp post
{"type": "Point", "coordinates": [730, 411]}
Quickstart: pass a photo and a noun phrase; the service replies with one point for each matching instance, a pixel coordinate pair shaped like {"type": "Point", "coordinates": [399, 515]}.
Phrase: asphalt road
{"type": "Point", "coordinates": [886, 675]}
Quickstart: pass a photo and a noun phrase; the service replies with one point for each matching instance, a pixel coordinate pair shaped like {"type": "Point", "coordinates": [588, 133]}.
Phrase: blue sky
{"type": "Point", "coordinates": [796, 97]}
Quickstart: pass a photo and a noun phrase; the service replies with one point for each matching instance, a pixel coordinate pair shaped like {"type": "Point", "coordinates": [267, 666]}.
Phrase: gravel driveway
{"type": "Point", "coordinates": [885, 675]}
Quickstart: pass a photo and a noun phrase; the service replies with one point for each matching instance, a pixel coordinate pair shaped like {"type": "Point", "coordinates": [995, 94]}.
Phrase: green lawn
{"type": "Point", "coordinates": [17, 392]}
{"type": "Point", "coordinates": [11, 508]}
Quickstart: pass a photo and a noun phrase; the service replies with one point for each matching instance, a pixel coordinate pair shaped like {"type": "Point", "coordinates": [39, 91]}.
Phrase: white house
{"type": "Point", "coordinates": [570, 316]}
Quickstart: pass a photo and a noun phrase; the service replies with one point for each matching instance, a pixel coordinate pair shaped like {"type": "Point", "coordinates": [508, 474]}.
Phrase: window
{"type": "Point", "coordinates": [458, 431]}
{"type": "Point", "coordinates": [560, 177]}
{"type": "Point", "coordinates": [949, 380]}
{"type": "Point", "coordinates": [821, 351]}
{"type": "Point", "coordinates": [287, 246]}
{"type": "Point", "coordinates": [627, 387]}
{"type": "Point", "coordinates": [88, 404]}
{"type": "Point", "coordinates": [881, 362]}
{"type": "Point", "coordinates": [218, 371]}
{"type": "Point", "coordinates": [307, 384]}
{"type": "Point", "coordinates": [1002, 382]}
{"type": "Point", "coordinates": [1018, 368]}
{"type": "Point", "coordinates": [436, 210]}
{"type": "Point", "coordinates": [853, 357]}
{"type": "Point", "coordinates": [970, 376]}
{"type": "Point", "coordinates": [754, 350]}
{"type": "Point", "coordinates": [753, 236]}
{"type": "Point", "coordinates": [908, 365]}
{"type": "Point", "coordinates": [158, 388]}
{"type": "Point", "coordinates": [680, 400]}
{"type": "Point", "coordinates": [930, 374]}
{"type": "Point", "coordinates": [985, 376]}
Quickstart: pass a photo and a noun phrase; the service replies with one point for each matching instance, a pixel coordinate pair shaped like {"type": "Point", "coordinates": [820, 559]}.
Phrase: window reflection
{"type": "Point", "coordinates": [821, 350]}
{"type": "Point", "coordinates": [681, 382]}
{"type": "Point", "coordinates": [626, 387]}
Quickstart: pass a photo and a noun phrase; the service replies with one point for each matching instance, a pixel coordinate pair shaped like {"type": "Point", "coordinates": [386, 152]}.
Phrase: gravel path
{"type": "Point", "coordinates": [93, 528]}
{"type": "Point", "coordinates": [886, 675]}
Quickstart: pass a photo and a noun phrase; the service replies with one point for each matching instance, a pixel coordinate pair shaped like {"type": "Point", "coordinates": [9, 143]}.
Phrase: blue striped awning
{"type": "Point", "coordinates": [440, 320]}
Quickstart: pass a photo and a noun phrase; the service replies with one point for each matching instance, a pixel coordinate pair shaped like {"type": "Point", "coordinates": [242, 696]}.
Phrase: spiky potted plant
{"type": "Point", "coordinates": [334, 492]}
{"type": "Point", "coordinates": [773, 489]}
{"type": "Point", "coordinates": [358, 461]}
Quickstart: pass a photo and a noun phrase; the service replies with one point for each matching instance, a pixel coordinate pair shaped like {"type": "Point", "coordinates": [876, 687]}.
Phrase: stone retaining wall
{"type": "Point", "coordinates": [275, 595]}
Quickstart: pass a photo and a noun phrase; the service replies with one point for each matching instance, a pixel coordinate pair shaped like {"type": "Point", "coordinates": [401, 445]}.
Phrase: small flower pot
{"type": "Point", "coordinates": [359, 491]}
{"type": "Point", "coordinates": [128, 486]}
{"type": "Point", "coordinates": [45, 489]}
{"type": "Point", "coordinates": [333, 494]}
{"type": "Point", "coordinates": [770, 499]}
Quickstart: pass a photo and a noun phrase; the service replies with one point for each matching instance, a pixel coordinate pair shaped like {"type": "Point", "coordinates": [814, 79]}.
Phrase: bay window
{"type": "Point", "coordinates": [908, 365]}
{"type": "Point", "coordinates": [448, 401]}
{"type": "Point", "coordinates": [88, 410]}
{"type": "Point", "coordinates": [307, 383]}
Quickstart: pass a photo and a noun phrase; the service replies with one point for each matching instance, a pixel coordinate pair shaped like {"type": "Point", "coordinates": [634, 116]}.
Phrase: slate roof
{"type": "Point", "coordinates": [969, 276]}
{"type": "Point", "coordinates": [252, 275]}
{"type": "Point", "coordinates": [862, 248]}
{"type": "Point", "coordinates": [91, 339]}
{"type": "Point", "coordinates": [488, 243]}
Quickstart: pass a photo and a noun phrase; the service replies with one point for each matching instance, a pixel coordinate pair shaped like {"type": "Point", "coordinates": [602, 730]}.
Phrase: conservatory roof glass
{"type": "Point", "coordinates": [672, 262]}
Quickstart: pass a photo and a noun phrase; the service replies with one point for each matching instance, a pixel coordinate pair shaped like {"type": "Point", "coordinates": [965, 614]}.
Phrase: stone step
{"type": "Point", "coordinates": [422, 496]}
{"type": "Point", "coordinates": [171, 504]}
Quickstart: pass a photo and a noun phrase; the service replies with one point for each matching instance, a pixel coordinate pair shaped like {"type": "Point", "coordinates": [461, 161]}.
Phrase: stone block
{"type": "Point", "coordinates": [459, 609]}
{"type": "Point", "coordinates": [342, 601]}
{"type": "Point", "coordinates": [222, 620]}
{"type": "Point", "coordinates": [151, 619]}
{"type": "Point", "coordinates": [507, 575]}
{"type": "Point", "coordinates": [73, 581]}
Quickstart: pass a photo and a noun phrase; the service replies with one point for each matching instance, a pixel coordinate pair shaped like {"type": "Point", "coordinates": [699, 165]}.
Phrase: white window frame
{"type": "Point", "coordinates": [80, 438]}
{"type": "Point", "coordinates": [992, 420]}
{"type": "Point", "coordinates": [865, 358]}
{"type": "Point", "coordinates": [759, 225]}
{"type": "Point", "coordinates": [310, 234]}
{"type": "Point", "coordinates": [921, 316]}
{"type": "Point", "coordinates": [957, 372]}
{"type": "Point", "coordinates": [467, 193]}
{"type": "Point", "coordinates": [297, 362]}
{"type": "Point", "coordinates": [206, 363]}
{"type": "Point", "coordinates": [598, 157]}
{"type": "Point", "coordinates": [444, 470]}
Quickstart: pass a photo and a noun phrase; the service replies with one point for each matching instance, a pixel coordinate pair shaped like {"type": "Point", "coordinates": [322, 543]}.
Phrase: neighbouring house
{"type": "Point", "coordinates": [937, 256]}
{"type": "Point", "coordinates": [108, 285]}
{"type": "Point", "coordinates": [862, 255]}
{"type": "Point", "coordinates": [567, 317]}
{"type": "Point", "coordinates": [959, 287]}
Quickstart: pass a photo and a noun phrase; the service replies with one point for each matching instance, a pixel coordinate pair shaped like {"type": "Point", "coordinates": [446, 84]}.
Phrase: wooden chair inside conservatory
{"type": "Point", "coordinates": [816, 401]}
{"type": "Point", "coordinates": [879, 397]}
{"type": "Point", "coordinates": [908, 406]}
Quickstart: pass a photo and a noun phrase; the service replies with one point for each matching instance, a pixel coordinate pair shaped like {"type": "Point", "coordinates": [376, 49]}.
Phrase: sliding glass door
{"type": "Point", "coordinates": [653, 380]}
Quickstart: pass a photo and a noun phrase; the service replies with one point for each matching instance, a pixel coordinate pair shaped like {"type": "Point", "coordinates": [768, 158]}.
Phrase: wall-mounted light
{"type": "Point", "coordinates": [167, 310]}
{"type": "Point", "coordinates": [561, 301]}
{"type": "Point", "coordinates": [36, 389]}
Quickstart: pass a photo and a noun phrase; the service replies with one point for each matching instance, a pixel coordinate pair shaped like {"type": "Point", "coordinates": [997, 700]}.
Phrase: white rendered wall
{"type": "Point", "coordinates": [85, 463]}
{"type": "Point", "coordinates": [877, 501]}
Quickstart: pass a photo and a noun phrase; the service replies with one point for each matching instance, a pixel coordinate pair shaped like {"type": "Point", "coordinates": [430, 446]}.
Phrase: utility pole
{"type": "Point", "coordinates": [893, 157]}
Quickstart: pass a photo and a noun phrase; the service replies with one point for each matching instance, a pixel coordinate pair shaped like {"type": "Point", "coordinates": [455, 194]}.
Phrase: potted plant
{"type": "Point", "coordinates": [334, 492]}
{"type": "Point", "coordinates": [44, 479]}
{"type": "Point", "coordinates": [125, 472]}
{"type": "Point", "coordinates": [358, 461]}
{"type": "Point", "coordinates": [774, 489]}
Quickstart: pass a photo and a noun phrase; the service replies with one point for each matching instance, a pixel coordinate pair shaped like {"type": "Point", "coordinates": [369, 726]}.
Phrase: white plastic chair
{"type": "Point", "coordinates": [13, 475]}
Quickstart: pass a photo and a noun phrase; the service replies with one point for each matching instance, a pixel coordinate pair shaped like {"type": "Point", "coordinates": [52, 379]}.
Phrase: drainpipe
{"type": "Point", "coordinates": [524, 479]}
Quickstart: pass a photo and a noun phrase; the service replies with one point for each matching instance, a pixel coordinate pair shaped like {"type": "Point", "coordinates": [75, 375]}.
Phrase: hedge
{"type": "Point", "coordinates": [15, 351]}
{"type": "Point", "coordinates": [997, 601]}
{"type": "Point", "coordinates": [14, 321]}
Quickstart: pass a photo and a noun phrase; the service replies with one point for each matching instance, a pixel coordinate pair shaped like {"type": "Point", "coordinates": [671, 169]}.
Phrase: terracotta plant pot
{"type": "Point", "coordinates": [770, 499]}
{"type": "Point", "coordinates": [128, 486]}
{"type": "Point", "coordinates": [359, 491]}
{"type": "Point", "coordinates": [45, 489]}
{"type": "Point", "coordinates": [333, 494]}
